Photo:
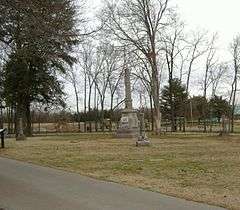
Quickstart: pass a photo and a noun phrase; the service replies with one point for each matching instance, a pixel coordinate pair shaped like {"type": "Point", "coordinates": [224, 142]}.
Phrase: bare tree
{"type": "Point", "coordinates": [143, 73]}
{"type": "Point", "coordinates": [172, 49]}
{"type": "Point", "coordinates": [196, 50]}
{"type": "Point", "coordinates": [138, 23]}
{"type": "Point", "coordinates": [108, 56]}
{"type": "Point", "coordinates": [114, 83]}
{"type": "Point", "coordinates": [210, 63]}
{"type": "Point", "coordinates": [182, 61]}
{"type": "Point", "coordinates": [85, 59]}
{"type": "Point", "coordinates": [216, 76]}
{"type": "Point", "coordinates": [72, 77]}
{"type": "Point", "coordinates": [235, 49]}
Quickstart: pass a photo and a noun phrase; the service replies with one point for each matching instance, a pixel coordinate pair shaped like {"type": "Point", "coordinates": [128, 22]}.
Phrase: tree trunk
{"type": "Point", "coordinates": [95, 107]}
{"type": "Point", "coordinates": [205, 98]}
{"type": "Point", "coordinates": [1, 117]}
{"type": "Point", "coordinates": [9, 119]}
{"type": "Point", "coordinates": [233, 106]}
{"type": "Point", "coordinates": [28, 121]}
{"type": "Point", "coordinates": [102, 115]}
{"type": "Point", "coordinates": [89, 98]}
{"type": "Point", "coordinates": [189, 75]}
{"type": "Point", "coordinates": [111, 113]}
{"type": "Point", "coordinates": [10, 130]}
{"type": "Point", "coordinates": [172, 106]}
{"type": "Point", "coordinates": [19, 117]}
{"type": "Point", "coordinates": [152, 112]}
{"type": "Point", "coordinates": [156, 102]}
{"type": "Point", "coordinates": [233, 94]}
{"type": "Point", "coordinates": [77, 104]}
{"type": "Point", "coordinates": [85, 101]}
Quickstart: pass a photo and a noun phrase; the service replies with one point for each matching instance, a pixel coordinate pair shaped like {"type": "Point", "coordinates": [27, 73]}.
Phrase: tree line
{"type": "Point", "coordinates": [48, 44]}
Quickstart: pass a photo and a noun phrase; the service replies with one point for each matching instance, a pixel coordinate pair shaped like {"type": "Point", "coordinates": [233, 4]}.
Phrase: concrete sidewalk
{"type": "Point", "coordinates": [29, 187]}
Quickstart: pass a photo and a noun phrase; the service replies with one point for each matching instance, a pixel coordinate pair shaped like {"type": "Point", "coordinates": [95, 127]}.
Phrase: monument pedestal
{"type": "Point", "coordinates": [129, 125]}
{"type": "Point", "coordinates": [142, 138]}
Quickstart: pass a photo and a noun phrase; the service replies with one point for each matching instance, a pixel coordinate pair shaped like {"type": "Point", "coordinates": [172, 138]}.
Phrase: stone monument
{"type": "Point", "coordinates": [142, 138]}
{"type": "Point", "coordinates": [129, 125]}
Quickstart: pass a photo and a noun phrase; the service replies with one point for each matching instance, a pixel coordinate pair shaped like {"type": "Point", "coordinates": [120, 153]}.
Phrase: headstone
{"type": "Point", "coordinates": [128, 126]}
{"type": "Point", "coordinates": [20, 134]}
{"type": "Point", "coordinates": [142, 138]}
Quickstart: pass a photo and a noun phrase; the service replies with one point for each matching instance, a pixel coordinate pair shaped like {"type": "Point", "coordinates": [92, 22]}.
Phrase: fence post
{"type": "Point", "coordinates": [2, 138]}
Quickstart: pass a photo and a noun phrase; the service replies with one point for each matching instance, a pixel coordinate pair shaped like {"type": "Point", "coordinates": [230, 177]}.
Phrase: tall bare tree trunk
{"type": "Point", "coordinates": [156, 95]}
{"type": "Point", "coordinates": [77, 106]}
{"type": "Point", "coordinates": [236, 56]}
{"type": "Point", "coordinates": [152, 112]}
{"type": "Point", "coordinates": [205, 101]}
{"type": "Point", "coordinates": [102, 115]}
{"type": "Point", "coordinates": [85, 101]}
{"type": "Point", "coordinates": [233, 102]}
{"type": "Point", "coordinates": [111, 112]}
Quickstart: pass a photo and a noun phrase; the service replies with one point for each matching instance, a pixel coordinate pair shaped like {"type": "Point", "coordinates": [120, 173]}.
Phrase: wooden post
{"type": "Point", "coordinates": [2, 138]}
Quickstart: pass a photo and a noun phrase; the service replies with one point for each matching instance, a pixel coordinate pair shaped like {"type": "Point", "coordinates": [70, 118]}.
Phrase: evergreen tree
{"type": "Point", "coordinates": [41, 35]}
{"type": "Point", "coordinates": [200, 107]}
{"type": "Point", "coordinates": [219, 107]}
{"type": "Point", "coordinates": [173, 101]}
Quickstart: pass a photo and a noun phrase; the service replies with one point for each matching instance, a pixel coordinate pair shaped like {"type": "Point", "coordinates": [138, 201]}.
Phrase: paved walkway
{"type": "Point", "coordinates": [29, 187]}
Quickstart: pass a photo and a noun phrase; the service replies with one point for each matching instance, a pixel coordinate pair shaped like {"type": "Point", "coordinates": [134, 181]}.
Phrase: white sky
{"type": "Point", "coordinates": [220, 16]}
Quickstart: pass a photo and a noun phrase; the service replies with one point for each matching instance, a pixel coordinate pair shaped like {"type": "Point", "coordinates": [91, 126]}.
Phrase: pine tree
{"type": "Point", "coordinates": [173, 101]}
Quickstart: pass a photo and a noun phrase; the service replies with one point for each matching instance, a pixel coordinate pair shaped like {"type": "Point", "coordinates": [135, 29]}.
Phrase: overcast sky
{"type": "Point", "coordinates": [220, 16]}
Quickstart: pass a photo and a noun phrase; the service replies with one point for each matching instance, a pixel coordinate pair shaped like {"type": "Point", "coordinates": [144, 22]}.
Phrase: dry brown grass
{"type": "Point", "coordinates": [199, 168]}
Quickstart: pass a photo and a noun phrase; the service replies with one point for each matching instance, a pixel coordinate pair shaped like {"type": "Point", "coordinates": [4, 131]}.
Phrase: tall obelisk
{"type": "Point", "coordinates": [128, 125]}
{"type": "Point", "coordinates": [128, 95]}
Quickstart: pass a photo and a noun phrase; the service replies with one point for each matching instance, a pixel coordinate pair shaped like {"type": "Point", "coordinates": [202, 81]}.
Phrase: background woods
{"type": "Point", "coordinates": [61, 72]}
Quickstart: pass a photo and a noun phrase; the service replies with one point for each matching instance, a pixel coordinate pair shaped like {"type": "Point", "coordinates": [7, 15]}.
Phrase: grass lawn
{"type": "Point", "coordinates": [194, 167]}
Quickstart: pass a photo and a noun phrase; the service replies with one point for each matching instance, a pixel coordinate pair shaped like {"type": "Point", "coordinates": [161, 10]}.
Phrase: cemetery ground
{"type": "Point", "coordinates": [192, 166]}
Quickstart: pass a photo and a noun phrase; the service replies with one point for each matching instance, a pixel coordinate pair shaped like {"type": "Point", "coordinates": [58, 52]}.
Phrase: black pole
{"type": "Point", "coordinates": [2, 139]}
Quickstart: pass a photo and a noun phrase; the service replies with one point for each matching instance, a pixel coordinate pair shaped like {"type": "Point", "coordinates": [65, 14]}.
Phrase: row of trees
{"type": "Point", "coordinates": [42, 48]}
{"type": "Point", "coordinates": [176, 104]}
{"type": "Point", "coordinates": [149, 38]}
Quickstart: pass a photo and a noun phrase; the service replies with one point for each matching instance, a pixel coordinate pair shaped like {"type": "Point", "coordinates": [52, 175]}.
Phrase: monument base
{"type": "Point", "coordinates": [129, 125]}
{"type": "Point", "coordinates": [142, 140]}
{"type": "Point", "coordinates": [143, 143]}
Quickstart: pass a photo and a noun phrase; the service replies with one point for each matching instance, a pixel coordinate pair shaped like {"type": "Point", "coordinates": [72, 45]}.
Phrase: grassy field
{"type": "Point", "coordinates": [194, 167]}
